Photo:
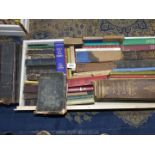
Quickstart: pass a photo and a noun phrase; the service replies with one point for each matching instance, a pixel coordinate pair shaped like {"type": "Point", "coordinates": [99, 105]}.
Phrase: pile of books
{"type": "Point", "coordinates": [112, 68]}
{"type": "Point", "coordinates": [108, 68]}
{"type": "Point", "coordinates": [41, 59]}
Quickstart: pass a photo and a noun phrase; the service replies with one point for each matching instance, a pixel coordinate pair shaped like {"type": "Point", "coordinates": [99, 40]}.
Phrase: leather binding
{"type": "Point", "coordinates": [125, 89]}
{"type": "Point", "coordinates": [52, 94]}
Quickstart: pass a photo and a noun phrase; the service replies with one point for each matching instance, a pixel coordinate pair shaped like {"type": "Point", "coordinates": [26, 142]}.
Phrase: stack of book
{"type": "Point", "coordinates": [134, 77]}
{"type": "Point", "coordinates": [41, 59]}
{"type": "Point", "coordinates": [138, 58]}
{"type": "Point", "coordinates": [93, 58]}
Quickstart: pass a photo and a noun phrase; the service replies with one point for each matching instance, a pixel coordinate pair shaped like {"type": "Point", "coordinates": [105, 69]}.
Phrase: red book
{"type": "Point", "coordinates": [80, 89]}
{"type": "Point", "coordinates": [84, 81]}
{"type": "Point", "coordinates": [138, 48]}
{"type": "Point", "coordinates": [132, 76]}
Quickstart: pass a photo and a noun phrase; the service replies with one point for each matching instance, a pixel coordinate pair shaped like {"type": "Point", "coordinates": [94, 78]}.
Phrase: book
{"type": "Point", "coordinates": [80, 89]}
{"type": "Point", "coordinates": [69, 61]}
{"type": "Point", "coordinates": [80, 97]}
{"type": "Point", "coordinates": [40, 46]}
{"type": "Point", "coordinates": [40, 51]}
{"type": "Point", "coordinates": [72, 58]}
{"type": "Point", "coordinates": [41, 56]}
{"type": "Point", "coordinates": [131, 89]}
{"type": "Point", "coordinates": [30, 88]}
{"type": "Point", "coordinates": [30, 96]}
{"type": "Point", "coordinates": [30, 102]}
{"type": "Point", "coordinates": [52, 94]}
{"type": "Point", "coordinates": [73, 41]}
{"type": "Point", "coordinates": [60, 57]}
{"type": "Point", "coordinates": [40, 62]}
{"type": "Point", "coordinates": [139, 41]}
{"type": "Point", "coordinates": [77, 93]}
{"type": "Point", "coordinates": [40, 69]}
{"type": "Point", "coordinates": [102, 46]}
{"type": "Point", "coordinates": [80, 101]}
{"type": "Point", "coordinates": [92, 74]}
{"type": "Point", "coordinates": [98, 55]}
{"type": "Point", "coordinates": [132, 76]}
{"type": "Point", "coordinates": [119, 38]}
{"type": "Point", "coordinates": [86, 67]}
{"type": "Point", "coordinates": [135, 63]}
{"type": "Point", "coordinates": [100, 43]}
{"type": "Point", "coordinates": [84, 81]}
{"type": "Point", "coordinates": [138, 47]}
{"type": "Point", "coordinates": [133, 69]}
{"type": "Point", "coordinates": [139, 55]}
{"type": "Point", "coordinates": [133, 73]}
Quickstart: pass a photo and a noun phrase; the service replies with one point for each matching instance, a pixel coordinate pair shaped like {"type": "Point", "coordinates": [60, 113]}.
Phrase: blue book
{"type": "Point", "coordinates": [60, 57]}
{"type": "Point", "coordinates": [133, 69]}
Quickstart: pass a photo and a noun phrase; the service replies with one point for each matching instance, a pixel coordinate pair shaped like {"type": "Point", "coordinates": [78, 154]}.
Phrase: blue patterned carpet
{"type": "Point", "coordinates": [94, 122]}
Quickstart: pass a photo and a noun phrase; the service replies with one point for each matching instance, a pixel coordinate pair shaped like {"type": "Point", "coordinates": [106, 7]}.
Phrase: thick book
{"type": "Point", "coordinates": [125, 89]}
{"type": "Point", "coordinates": [60, 57]}
{"type": "Point", "coordinates": [86, 67]}
{"type": "Point", "coordinates": [52, 94]}
{"type": "Point", "coordinates": [40, 62]}
{"type": "Point", "coordinates": [139, 55]}
{"type": "Point", "coordinates": [84, 81]}
{"type": "Point", "coordinates": [135, 63]}
{"type": "Point", "coordinates": [139, 41]}
{"type": "Point", "coordinates": [138, 47]}
{"type": "Point", "coordinates": [80, 89]}
{"type": "Point", "coordinates": [8, 72]}
{"type": "Point", "coordinates": [98, 55]}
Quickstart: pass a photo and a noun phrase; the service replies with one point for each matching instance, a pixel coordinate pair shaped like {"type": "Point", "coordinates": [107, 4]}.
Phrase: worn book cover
{"type": "Point", "coordinates": [125, 89]}
{"type": "Point", "coordinates": [52, 94]}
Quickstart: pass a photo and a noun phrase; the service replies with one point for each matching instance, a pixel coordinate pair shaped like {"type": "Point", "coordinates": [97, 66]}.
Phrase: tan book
{"type": "Point", "coordinates": [86, 67]}
{"type": "Point", "coordinates": [77, 93]}
{"type": "Point", "coordinates": [131, 89]}
{"type": "Point", "coordinates": [73, 41]}
{"type": "Point", "coordinates": [91, 74]}
{"type": "Point", "coordinates": [114, 38]}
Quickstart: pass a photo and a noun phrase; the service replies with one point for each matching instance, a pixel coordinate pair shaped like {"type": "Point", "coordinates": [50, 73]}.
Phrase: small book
{"type": "Point", "coordinates": [52, 94]}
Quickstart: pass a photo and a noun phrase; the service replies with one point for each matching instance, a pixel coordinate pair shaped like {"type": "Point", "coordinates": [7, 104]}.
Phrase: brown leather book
{"type": "Point", "coordinates": [125, 89]}
{"type": "Point", "coordinates": [73, 41]}
{"type": "Point", "coordinates": [30, 88]}
{"type": "Point", "coordinates": [86, 67]}
{"type": "Point", "coordinates": [114, 38]}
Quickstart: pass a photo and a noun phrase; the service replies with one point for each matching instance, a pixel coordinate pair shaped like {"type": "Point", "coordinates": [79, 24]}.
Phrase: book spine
{"type": "Point", "coordinates": [139, 41]}
{"type": "Point", "coordinates": [133, 73]}
{"type": "Point", "coordinates": [79, 97]}
{"type": "Point", "coordinates": [83, 81]}
{"type": "Point", "coordinates": [133, 69]}
{"type": "Point", "coordinates": [132, 77]}
{"type": "Point", "coordinates": [138, 55]}
{"type": "Point", "coordinates": [80, 89]}
{"type": "Point", "coordinates": [42, 51]}
{"type": "Point", "coordinates": [40, 62]}
{"type": "Point", "coordinates": [102, 46]}
{"type": "Point", "coordinates": [60, 57]}
{"type": "Point", "coordinates": [41, 56]}
{"type": "Point", "coordinates": [30, 88]}
{"type": "Point", "coordinates": [135, 63]}
{"type": "Point", "coordinates": [131, 89]}
{"type": "Point", "coordinates": [100, 43]}
{"type": "Point", "coordinates": [138, 48]}
{"type": "Point", "coordinates": [98, 56]}
{"type": "Point", "coordinates": [30, 102]}
{"type": "Point", "coordinates": [86, 67]}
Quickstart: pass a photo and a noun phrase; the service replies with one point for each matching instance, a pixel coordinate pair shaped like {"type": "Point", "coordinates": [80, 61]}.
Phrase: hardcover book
{"type": "Point", "coordinates": [52, 94]}
{"type": "Point", "coordinates": [129, 89]}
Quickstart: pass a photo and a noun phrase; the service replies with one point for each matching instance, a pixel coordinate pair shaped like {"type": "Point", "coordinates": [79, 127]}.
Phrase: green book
{"type": "Point", "coordinates": [81, 101]}
{"type": "Point", "coordinates": [139, 41]}
{"type": "Point", "coordinates": [79, 97]}
{"type": "Point", "coordinates": [40, 46]}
